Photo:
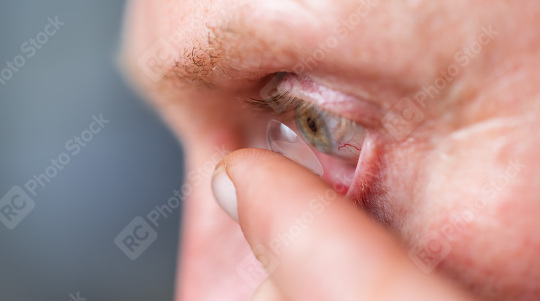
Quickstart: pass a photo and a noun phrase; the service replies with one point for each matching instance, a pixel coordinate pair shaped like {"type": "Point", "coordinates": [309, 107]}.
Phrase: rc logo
{"type": "Point", "coordinates": [15, 206]}
{"type": "Point", "coordinates": [136, 237]}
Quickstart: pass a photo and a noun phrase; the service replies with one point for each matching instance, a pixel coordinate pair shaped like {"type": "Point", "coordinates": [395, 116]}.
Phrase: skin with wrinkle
{"type": "Point", "coordinates": [468, 169]}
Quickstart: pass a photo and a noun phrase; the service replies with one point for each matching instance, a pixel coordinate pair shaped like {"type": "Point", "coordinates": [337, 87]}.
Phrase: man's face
{"type": "Point", "coordinates": [446, 91]}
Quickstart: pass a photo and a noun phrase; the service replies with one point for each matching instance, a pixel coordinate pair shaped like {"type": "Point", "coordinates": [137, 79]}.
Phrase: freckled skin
{"type": "Point", "coordinates": [464, 168]}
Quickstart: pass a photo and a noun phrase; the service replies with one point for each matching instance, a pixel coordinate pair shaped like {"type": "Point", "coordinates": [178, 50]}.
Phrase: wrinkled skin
{"type": "Point", "coordinates": [464, 168]}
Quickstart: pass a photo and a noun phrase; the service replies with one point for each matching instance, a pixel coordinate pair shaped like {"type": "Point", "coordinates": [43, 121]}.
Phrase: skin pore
{"type": "Point", "coordinates": [462, 167]}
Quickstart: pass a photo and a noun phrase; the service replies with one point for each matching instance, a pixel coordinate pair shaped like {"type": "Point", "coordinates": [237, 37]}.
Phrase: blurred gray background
{"type": "Point", "coordinates": [62, 242]}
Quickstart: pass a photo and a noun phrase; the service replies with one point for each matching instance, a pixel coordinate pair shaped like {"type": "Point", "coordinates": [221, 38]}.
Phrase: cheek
{"type": "Point", "coordinates": [493, 253]}
{"type": "Point", "coordinates": [470, 214]}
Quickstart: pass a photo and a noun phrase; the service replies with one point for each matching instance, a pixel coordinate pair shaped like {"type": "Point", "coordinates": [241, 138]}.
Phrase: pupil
{"type": "Point", "coordinates": [312, 124]}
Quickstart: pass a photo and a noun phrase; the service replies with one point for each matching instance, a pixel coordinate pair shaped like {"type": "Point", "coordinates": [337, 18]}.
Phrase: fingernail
{"type": "Point", "coordinates": [224, 192]}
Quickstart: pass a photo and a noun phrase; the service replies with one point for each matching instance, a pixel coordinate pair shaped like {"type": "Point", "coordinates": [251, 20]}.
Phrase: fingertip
{"type": "Point", "coordinates": [238, 164]}
{"type": "Point", "coordinates": [268, 188]}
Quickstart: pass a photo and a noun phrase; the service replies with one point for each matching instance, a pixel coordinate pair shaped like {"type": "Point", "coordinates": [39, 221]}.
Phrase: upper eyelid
{"type": "Point", "coordinates": [280, 98]}
{"type": "Point", "coordinates": [365, 112]}
{"type": "Point", "coordinates": [275, 99]}
{"type": "Point", "coordinates": [280, 101]}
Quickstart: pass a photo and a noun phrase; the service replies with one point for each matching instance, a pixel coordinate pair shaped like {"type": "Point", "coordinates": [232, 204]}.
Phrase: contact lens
{"type": "Point", "coordinates": [283, 140]}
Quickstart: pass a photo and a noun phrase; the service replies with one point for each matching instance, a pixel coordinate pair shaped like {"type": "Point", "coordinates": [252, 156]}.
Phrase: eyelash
{"type": "Point", "coordinates": [280, 103]}
{"type": "Point", "coordinates": [283, 103]}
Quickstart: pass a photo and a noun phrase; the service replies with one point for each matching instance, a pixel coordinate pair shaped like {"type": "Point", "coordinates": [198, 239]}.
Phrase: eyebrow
{"type": "Point", "coordinates": [197, 65]}
{"type": "Point", "coordinates": [209, 58]}
{"type": "Point", "coordinates": [217, 56]}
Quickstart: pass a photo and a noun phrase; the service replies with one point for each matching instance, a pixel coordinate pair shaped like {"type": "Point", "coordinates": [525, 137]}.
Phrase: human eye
{"type": "Point", "coordinates": [326, 132]}
{"type": "Point", "coordinates": [329, 133]}
{"type": "Point", "coordinates": [336, 140]}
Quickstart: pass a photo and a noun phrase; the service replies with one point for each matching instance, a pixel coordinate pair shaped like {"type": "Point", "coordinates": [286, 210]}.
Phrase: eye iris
{"type": "Point", "coordinates": [329, 133]}
{"type": "Point", "coordinates": [313, 129]}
